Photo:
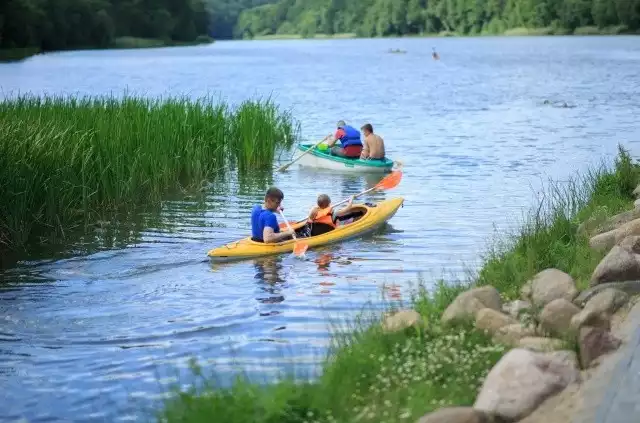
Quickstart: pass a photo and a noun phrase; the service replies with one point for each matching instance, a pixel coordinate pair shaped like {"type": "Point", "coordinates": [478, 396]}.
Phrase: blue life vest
{"type": "Point", "coordinates": [351, 136]}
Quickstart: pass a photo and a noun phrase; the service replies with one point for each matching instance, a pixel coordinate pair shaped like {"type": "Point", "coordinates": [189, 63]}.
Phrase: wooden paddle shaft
{"type": "Point", "coordinates": [298, 158]}
{"type": "Point", "coordinates": [288, 226]}
{"type": "Point", "coordinates": [355, 196]}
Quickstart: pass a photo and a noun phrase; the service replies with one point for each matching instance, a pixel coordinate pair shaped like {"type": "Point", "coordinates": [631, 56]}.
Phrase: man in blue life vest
{"type": "Point", "coordinates": [264, 223]}
{"type": "Point", "coordinates": [349, 138]}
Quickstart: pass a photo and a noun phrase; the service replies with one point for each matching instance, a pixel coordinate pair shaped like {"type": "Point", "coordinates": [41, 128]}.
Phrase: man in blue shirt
{"type": "Point", "coordinates": [264, 223]}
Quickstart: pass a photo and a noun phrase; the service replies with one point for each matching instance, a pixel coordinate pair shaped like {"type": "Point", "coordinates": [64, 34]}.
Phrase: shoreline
{"type": "Point", "coordinates": [127, 43]}
{"type": "Point", "coordinates": [447, 353]}
{"type": "Point", "coordinates": [513, 32]}
{"type": "Point", "coordinates": [120, 43]}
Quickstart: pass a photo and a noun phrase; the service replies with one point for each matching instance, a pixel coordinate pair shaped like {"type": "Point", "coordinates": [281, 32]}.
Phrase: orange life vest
{"type": "Point", "coordinates": [324, 216]}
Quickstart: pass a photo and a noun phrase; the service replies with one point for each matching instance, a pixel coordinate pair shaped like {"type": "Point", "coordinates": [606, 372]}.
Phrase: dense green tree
{"type": "Point", "coordinates": [63, 24]}
{"type": "Point", "coordinates": [400, 17]}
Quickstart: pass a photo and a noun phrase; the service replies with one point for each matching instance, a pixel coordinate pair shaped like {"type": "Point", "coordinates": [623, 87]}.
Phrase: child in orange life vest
{"type": "Point", "coordinates": [322, 217]}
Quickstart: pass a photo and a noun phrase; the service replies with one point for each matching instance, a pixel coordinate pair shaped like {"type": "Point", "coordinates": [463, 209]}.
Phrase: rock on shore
{"type": "Point", "coordinates": [542, 361]}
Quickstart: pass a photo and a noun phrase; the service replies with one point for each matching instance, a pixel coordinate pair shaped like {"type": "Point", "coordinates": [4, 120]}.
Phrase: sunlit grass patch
{"type": "Point", "coordinates": [375, 377]}
{"type": "Point", "coordinates": [549, 238]}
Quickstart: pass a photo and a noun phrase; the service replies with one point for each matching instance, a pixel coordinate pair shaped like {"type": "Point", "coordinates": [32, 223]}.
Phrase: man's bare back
{"type": "Point", "coordinates": [373, 145]}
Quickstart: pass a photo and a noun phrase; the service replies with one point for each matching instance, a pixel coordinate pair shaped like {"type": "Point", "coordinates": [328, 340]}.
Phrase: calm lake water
{"type": "Point", "coordinates": [99, 336]}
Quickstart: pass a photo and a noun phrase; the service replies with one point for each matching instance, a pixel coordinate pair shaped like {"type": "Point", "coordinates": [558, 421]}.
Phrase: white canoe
{"type": "Point", "coordinates": [324, 160]}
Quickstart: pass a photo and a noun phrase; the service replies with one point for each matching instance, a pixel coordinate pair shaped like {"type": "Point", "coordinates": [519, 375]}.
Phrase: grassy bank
{"type": "Point", "coordinates": [17, 54]}
{"type": "Point", "coordinates": [135, 42]}
{"type": "Point", "coordinates": [65, 160]}
{"type": "Point", "coordinates": [300, 37]}
{"type": "Point", "coordinates": [373, 376]}
{"type": "Point", "coordinates": [532, 32]}
{"type": "Point", "coordinates": [586, 30]}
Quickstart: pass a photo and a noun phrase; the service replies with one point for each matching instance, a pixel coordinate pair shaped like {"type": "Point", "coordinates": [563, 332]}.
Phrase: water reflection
{"type": "Point", "coordinates": [268, 269]}
{"type": "Point", "coordinates": [346, 184]}
{"type": "Point", "coordinates": [323, 260]}
{"type": "Point", "coordinates": [254, 181]}
{"type": "Point", "coordinates": [270, 280]}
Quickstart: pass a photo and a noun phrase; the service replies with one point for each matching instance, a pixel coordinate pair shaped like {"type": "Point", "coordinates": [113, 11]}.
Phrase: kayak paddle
{"type": "Point", "coordinates": [388, 182]}
{"type": "Point", "coordinates": [300, 247]}
{"type": "Point", "coordinates": [285, 166]}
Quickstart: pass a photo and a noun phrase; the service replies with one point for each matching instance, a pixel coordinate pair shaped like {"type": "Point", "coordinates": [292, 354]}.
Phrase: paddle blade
{"type": "Point", "coordinates": [300, 248]}
{"type": "Point", "coordinates": [390, 181]}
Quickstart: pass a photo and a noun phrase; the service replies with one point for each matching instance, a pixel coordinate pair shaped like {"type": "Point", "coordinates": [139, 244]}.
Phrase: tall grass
{"type": "Point", "coordinates": [373, 376]}
{"type": "Point", "coordinates": [63, 158]}
{"type": "Point", "coordinates": [369, 376]}
{"type": "Point", "coordinates": [549, 235]}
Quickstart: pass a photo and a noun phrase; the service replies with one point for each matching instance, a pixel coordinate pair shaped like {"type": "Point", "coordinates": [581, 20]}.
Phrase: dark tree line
{"type": "Point", "coordinates": [225, 13]}
{"type": "Point", "coordinates": [400, 17]}
{"type": "Point", "coordinates": [66, 24]}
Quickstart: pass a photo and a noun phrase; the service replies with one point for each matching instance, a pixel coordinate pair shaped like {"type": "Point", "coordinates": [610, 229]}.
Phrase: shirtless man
{"type": "Point", "coordinates": [373, 145]}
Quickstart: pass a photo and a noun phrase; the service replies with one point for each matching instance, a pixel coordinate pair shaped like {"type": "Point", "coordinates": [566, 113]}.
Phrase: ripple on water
{"type": "Point", "coordinates": [102, 336]}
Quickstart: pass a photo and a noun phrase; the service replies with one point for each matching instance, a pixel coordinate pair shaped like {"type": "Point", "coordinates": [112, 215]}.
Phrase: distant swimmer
{"type": "Point", "coordinates": [435, 54]}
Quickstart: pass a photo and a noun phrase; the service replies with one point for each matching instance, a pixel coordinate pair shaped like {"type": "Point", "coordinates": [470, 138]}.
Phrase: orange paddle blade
{"type": "Point", "coordinates": [390, 181]}
{"type": "Point", "coordinates": [300, 248]}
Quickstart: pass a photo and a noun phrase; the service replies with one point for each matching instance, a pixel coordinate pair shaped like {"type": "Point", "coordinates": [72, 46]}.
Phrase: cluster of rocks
{"type": "Point", "coordinates": [619, 237]}
{"type": "Point", "coordinates": [554, 330]}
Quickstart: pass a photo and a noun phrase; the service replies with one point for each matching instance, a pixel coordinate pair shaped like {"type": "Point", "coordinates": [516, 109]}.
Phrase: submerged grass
{"type": "Point", "coordinates": [64, 160]}
{"type": "Point", "coordinates": [373, 376]}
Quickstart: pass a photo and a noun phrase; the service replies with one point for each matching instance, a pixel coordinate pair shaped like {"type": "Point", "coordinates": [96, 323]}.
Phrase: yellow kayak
{"type": "Point", "coordinates": [366, 217]}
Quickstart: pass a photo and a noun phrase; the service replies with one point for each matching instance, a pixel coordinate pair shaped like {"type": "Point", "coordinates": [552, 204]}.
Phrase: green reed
{"type": "Point", "coordinates": [64, 158]}
{"type": "Point", "coordinates": [257, 132]}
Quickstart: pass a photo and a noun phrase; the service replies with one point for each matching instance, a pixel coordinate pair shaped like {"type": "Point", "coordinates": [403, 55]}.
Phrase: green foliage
{"type": "Point", "coordinates": [66, 24]}
{"type": "Point", "coordinates": [377, 376]}
{"type": "Point", "coordinates": [401, 17]}
{"type": "Point", "coordinates": [370, 375]}
{"type": "Point", "coordinates": [550, 238]}
{"type": "Point", "coordinates": [70, 24]}
{"type": "Point", "coordinates": [66, 158]}
{"type": "Point", "coordinates": [224, 15]}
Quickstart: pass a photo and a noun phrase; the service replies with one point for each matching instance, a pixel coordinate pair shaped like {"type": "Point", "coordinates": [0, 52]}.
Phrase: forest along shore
{"type": "Point", "coordinates": [32, 27]}
{"type": "Point", "coordinates": [384, 18]}
{"type": "Point", "coordinates": [542, 305]}
{"type": "Point", "coordinates": [69, 162]}
{"type": "Point", "coordinates": [41, 26]}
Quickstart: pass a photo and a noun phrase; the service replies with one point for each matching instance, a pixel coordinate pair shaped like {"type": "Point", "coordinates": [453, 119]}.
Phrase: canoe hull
{"type": "Point", "coordinates": [374, 218]}
{"type": "Point", "coordinates": [321, 160]}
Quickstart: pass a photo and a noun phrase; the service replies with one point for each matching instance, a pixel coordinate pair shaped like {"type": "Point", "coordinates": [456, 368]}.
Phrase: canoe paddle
{"type": "Point", "coordinates": [285, 166]}
{"type": "Point", "coordinates": [300, 247]}
{"type": "Point", "coordinates": [388, 182]}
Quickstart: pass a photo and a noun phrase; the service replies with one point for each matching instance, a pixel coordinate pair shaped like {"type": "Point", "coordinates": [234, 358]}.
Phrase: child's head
{"type": "Point", "coordinates": [323, 201]}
